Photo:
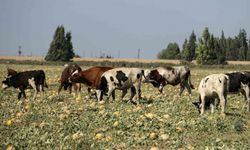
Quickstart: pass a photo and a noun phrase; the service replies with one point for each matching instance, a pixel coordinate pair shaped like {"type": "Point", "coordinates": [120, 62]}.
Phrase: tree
{"type": "Point", "coordinates": [192, 45]}
{"type": "Point", "coordinates": [209, 51]}
{"type": "Point", "coordinates": [61, 48]}
{"type": "Point", "coordinates": [243, 44]}
{"type": "Point", "coordinates": [248, 51]}
{"type": "Point", "coordinates": [171, 52]}
{"type": "Point", "coordinates": [188, 48]}
{"type": "Point", "coordinates": [185, 55]}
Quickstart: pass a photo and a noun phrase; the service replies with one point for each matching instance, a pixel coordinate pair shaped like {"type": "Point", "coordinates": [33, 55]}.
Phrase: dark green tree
{"type": "Point", "coordinates": [188, 48]}
{"type": "Point", "coordinates": [209, 51]}
{"type": "Point", "coordinates": [232, 48]}
{"type": "Point", "coordinates": [243, 47]}
{"type": "Point", "coordinates": [192, 45]}
{"type": "Point", "coordinates": [61, 48]}
{"type": "Point", "coordinates": [171, 52]}
{"type": "Point", "coordinates": [185, 54]}
{"type": "Point", "coordinates": [248, 51]}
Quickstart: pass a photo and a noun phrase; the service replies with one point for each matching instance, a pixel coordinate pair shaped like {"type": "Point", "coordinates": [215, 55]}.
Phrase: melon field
{"type": "Point", "coordinates": [160, 121]}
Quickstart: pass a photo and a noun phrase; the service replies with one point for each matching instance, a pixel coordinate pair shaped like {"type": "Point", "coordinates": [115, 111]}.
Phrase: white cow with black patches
{"type": "Point", "coordinates": [217, 86]}
{"type": "Point", "coordinates": [213, 87]}
{"type": "Point", "coordinates": [121, 79]}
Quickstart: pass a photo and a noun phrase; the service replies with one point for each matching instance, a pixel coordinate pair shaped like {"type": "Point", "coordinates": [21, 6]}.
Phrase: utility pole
{"type": "Point", "coordinates": [118, 53]}
{"type": "Point", "coordinates": [139, 53]}
{"type": "Point", "coordinates": [19, 50]}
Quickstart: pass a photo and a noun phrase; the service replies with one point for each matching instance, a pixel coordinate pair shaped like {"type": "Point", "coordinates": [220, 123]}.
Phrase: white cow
{"type": "Point", "coordinates": [217, 86]}
{"type": "Point", "coordinates": [121, 79]}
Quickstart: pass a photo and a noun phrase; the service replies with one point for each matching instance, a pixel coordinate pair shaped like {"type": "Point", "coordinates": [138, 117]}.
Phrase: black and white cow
{"type": "Point", "coordinates": [29, 79]}
{"type": "Point", "coordinates": [162, 76]}
{"type": "Point", "coordinates": [217, 86]}
{"type": "Point", "coordinates": [121, 79]}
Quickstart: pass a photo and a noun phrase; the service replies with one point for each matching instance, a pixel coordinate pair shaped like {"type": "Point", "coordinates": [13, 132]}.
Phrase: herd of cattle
{"type": "Point", "coordinates": [213, 89]}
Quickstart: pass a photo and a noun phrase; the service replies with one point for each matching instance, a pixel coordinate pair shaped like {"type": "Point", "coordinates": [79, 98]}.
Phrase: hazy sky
{"type": "Point", "coordinates": [116, 26]}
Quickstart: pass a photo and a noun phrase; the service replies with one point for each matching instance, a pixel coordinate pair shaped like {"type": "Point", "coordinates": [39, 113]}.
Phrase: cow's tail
{"type": "Point", "coordinates": [189, 80]}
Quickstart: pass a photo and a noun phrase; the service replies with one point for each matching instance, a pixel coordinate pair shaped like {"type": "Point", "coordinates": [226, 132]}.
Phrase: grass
{"type": "Point", "coordinates": [166, 120]}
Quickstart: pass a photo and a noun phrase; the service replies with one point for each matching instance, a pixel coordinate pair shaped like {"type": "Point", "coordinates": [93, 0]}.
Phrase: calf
{"type": "Point", "coordinates": [121, 79]}
{"type": "Point", "coordinates": [217, 86]}
{"type": "Point", "coordinates": [28, 79]}
{"type": "Point", "coordinates": [67, 72]}
{"type": "Point", "coordinates": [90, 77]}
{"type": "Point", "coordinates": [162, 76]}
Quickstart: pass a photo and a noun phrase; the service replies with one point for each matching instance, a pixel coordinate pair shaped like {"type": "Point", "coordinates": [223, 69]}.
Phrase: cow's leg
{"type": "Point", "coordinates": [133, 92]}
{"type": "Point", "coordinates": [222, 103]}
{"type": "Point", "coordinates": [124, 92]}
{"type": "Point", "coordinates": [33, 85]}
{"type": "Point", "coordinates": [113, 95]}
{"type": "Point", "coordinates": [203, 101]}
{"type": "Point", "coordinates": [182, 87]}
{"type": "Point", "coordinates": [110, 92]}
{"type": "Point", "coordinates": [212, 105]}
{"type": "Point", "coordinates": [247, 100]}
{"type": "Point", "coordinates": [188, 88]}
{"type": "Point", "coordinates": [70, 88]}
{"type": "Point", "coordinates": [19, 95]}
{"type": "Point", "coordinates": [24, 95]}
{"type": "Point", "coordinates": [99, 95]}
{"type": "Point", "coordinates": [59, 89]}
{"type": "Point", "coordinates": [41, 89]}
{"type": "Point", "coordinates": [138, 93]}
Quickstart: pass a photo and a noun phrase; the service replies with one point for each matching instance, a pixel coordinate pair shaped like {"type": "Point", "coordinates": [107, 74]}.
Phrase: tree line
{"type": "Point", "coordinates": [209, 49]}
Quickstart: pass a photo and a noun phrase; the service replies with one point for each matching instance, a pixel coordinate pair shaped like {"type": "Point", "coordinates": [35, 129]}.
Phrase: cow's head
{"type": "Point", "coordinates": [156, 79]}
{"type": "Point", "coordinates": [6, 83]}
{"type": "Point", "coordinates": [11, 72]}
{"type": "Point", "coordinates": [74, 77]}
{"type": "Point", "coordinates": [197, 106]}
{"type": "Point", "coordinates": [246, 90]}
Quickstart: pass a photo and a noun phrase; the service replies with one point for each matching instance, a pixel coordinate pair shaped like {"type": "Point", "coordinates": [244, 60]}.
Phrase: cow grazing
{"type": "Point", "coordinates": [217, 86]}
{"type": "Point", "coordinates": [121, 79]}
{"type": "Point", "coordinates": [162, 76]}
{"type": "Point", "coordinates": [210, 88]}
{"type": "Point", "coordinates": [29, 79]}
{"type": "Point", "coordinates": [90, 77]}
{"type": "Point", "coordinates": [67, 72]}
{"type": "Point", "coordinates": [239, 82]}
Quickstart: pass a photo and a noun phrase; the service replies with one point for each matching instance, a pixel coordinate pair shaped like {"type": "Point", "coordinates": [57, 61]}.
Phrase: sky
{"type": "Point", "coordinates": [116, 27]}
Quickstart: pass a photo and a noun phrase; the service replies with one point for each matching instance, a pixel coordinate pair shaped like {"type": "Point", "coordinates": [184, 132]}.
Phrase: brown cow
{"type": "Point", "coordinates": [90, 77]}
{"type": "Point", "coordinates": [67, 72]}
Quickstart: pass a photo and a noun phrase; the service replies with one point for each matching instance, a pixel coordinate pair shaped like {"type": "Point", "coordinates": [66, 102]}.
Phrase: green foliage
{"type": "Point", "coordinates": [61, 47]}
{"type": "Point", "coordinates": [188, 48]}
{"type": "Point", "coordinates": [209, 50]}
{"type": "Point", "coordinates": [243, 47]}
{"type": "Point", "coordinates": [171, 52]}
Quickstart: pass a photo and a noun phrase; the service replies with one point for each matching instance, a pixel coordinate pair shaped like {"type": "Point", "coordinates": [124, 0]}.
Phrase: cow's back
{"type": "Point", "coordinates": [93, 75]}
{"type": "Point", "coordinates": [215, 83]}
